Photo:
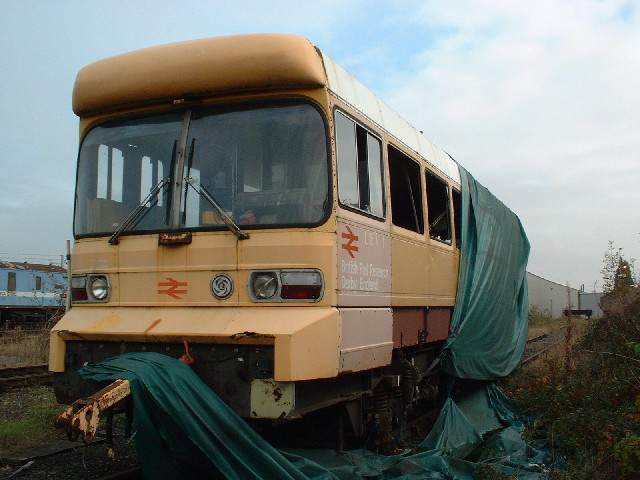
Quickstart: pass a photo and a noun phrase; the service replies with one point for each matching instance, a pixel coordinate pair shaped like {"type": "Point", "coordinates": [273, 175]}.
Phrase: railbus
{"type": "Point", "coordinates": [245, 203]}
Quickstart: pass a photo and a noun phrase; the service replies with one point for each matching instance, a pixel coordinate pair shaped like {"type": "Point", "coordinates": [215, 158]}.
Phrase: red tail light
{"type": "Point", "coordinates": [301, 292]}
{"type": "Point", "coordinates": [79, 295]}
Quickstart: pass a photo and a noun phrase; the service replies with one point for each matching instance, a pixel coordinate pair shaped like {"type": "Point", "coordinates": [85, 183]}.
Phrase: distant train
{"type": "Point", "coordinates": [30, 294]}
{"type": "Point", "coordinates": [245, 202]}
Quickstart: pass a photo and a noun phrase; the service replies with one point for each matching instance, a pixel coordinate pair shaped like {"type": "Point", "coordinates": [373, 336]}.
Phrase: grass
{"type": "Point", "coordinates": [26, 415]}
{"type": "Point", "coordinates": [26, 418]}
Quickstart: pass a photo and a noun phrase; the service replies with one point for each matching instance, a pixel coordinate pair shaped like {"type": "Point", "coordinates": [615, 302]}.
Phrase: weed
{"type": "Point", "coordinates": [538, 317]}
{"type": "Point", "coordinates": [588, 398]}
{"type": "Point", "coordinates": [20, 347]}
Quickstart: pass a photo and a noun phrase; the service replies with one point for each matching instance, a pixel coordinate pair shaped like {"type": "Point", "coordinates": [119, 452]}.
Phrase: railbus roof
{"type": "Point", "coordinates": [236, 64]}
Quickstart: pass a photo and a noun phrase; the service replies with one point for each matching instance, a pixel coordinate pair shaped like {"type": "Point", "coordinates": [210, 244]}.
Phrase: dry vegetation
{"type": "Point", "coordinates": [18, 348]}
{"type": "Point", "coordinates": [586, 394]}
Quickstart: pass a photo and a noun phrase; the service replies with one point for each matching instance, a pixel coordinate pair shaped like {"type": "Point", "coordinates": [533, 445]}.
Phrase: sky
{"type": "Point", "coordinates": [538, 100]}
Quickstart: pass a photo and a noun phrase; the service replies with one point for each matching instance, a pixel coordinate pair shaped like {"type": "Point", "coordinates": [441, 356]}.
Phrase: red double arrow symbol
{"type": "Point", "coordinates": [349, 246]}
{"type": "Point", "coordinates": [173, 285]}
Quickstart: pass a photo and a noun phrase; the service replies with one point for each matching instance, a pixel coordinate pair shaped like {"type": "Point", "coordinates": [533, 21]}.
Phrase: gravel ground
{"type": "Point", "coordinates": [87, 462]}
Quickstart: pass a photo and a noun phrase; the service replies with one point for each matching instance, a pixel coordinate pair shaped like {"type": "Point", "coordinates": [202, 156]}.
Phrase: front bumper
{"type": "Point", "coordinates": [306, 340]}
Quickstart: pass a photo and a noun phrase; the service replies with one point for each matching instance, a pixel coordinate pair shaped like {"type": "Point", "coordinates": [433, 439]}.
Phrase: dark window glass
{"type": "Point", "coordinates": [406, 191]}
{"type": "Point", "coordinates": [438, 209]}
{"type": "Point", "coordinates": [11, 281]}
{"type": "Point", "coordinates": [457, 216]}
{"type": "Point", "coordinates": [38, 283]}
{"type": "Point", "coordinates": [359, 167]}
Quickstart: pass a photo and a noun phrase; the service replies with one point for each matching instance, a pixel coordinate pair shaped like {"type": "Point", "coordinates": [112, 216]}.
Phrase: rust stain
{"type": "Point", "coordinates": [153, 325]}
{"type": "Point", "coordinates": [277, 394]}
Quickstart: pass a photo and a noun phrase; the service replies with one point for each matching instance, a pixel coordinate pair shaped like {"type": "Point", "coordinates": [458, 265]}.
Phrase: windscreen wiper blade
{"type": "Point", "coordinates": [228, 221]}
{"type": "Point", "coordinates": [115, 238]}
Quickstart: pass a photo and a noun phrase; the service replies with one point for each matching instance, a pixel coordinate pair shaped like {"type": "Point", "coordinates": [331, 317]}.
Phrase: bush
{"type": "Point", "coordinates": [591, 413]}
{"type": "Point", "coordinates": [538, 317]}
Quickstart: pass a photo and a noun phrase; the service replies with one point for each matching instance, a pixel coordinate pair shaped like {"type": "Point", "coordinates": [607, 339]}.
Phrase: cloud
{"type": "Point", "coordinates": [538, 100]}
{"type": "Point", "coordinates": [540, 103]}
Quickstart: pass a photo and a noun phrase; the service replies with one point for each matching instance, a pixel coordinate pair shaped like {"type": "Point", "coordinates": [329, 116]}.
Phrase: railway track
{"type": "Point", "coordinates": [549, 340]}
{"type": "Point", "coordinates": [17, 377]}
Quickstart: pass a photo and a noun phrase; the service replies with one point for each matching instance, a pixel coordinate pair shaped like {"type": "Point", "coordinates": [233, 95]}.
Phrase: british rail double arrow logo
{"type": "Point", "coordinates": [350, 246]}
{"type": "Point", "coordinates": [172, 289]}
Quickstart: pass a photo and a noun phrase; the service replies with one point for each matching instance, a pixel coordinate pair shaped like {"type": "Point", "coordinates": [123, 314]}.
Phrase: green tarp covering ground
{"type": "Point", "coordinates": [184, 430]}
{"type": "Point", "coordinates": [489, 324]}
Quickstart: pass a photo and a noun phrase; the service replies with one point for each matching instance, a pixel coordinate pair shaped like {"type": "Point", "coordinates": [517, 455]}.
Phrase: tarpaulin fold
{"type": "Point", "coordinates": [184, 430]}
{"type": "Point", "coordinates": [489, 323]}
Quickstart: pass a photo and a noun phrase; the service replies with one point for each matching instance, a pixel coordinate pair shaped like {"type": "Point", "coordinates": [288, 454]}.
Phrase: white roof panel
{"type": "Point", "coordinates": [342, 84]}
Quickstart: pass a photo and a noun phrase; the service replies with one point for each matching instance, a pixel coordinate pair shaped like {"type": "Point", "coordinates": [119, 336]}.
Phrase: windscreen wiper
{"type": "Point", "coordinates": [115, 238]}
{"type": "Point", "coordinates": [228, 221]}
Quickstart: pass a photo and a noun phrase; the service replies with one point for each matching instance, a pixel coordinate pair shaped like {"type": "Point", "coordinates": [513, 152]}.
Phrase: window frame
{"type": "Point", "coordinates": [383, 178]}
{"type": "Point", "coordinates": [253, 103]}
{"type": "Point", "coordinates": [457, 218]}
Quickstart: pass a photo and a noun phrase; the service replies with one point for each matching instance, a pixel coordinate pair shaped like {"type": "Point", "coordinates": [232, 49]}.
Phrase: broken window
{"type": "Point", "coordinates": [457, 216]}
{"type": "Point", "coordinates": [406, 191]}
{"type": "Point", "coordinates": [359, 167]}
{"type": "Point", "coordinates": [438, 209]}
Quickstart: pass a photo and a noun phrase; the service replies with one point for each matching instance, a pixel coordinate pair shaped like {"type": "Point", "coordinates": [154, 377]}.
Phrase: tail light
{"type": "Point", "coordinates": [286, 285]}
{"type": "Point", "coordinates": [301, 285]}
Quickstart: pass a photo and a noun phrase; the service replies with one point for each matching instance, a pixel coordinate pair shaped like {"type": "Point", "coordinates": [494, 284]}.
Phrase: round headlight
{"type": "Point", "coordinates": [99, 288]}
{"type": "Point", "coordinates": [265, 285]}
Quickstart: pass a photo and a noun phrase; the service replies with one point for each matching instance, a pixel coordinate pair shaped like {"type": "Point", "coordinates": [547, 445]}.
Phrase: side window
{"type": "Point", "coordinates": [406, 191]}
{"type": "Point", "coordinates": [38, 282]}
{"type": "Point", "coordinates": [359, 167]}
{"type": "Point", "coordinates": [11, 281]}
{"type": "Point", "coordinates": [457, 216]}
{"type": "Point", "coordinates": [438, 209]}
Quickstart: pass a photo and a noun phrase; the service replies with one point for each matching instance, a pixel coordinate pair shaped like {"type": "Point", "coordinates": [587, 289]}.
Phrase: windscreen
{"type": "Point", "coordinates": [118, 166]}
{"type": "Point", "coordinates": [264, 166]}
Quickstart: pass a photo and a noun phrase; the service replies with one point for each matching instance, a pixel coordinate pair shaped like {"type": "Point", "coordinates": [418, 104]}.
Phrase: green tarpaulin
{"type": "Point", "coordinates": [489, 324]}
{"type": "Point", "coordinates": [184, 430]}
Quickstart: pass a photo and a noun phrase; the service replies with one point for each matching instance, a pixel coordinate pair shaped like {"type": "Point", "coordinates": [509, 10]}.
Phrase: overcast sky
{"type": "Point", "coordinates": [538, 100]}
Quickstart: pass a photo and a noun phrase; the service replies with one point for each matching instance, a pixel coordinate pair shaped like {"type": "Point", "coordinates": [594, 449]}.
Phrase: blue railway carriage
{"type": "Point", "coordinates": [30, 294]}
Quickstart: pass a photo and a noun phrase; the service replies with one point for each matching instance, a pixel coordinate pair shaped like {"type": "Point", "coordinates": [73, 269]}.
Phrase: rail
{"type": "Point", "coordinates": [537, 338]}
{"type": "Point", "coordinates": [16, 377]}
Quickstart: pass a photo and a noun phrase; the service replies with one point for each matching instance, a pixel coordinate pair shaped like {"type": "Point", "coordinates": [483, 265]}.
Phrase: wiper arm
{"type": "Point", "coordinates": [228, 221]}
{"type": "Point", "coordinates": [115, 238]}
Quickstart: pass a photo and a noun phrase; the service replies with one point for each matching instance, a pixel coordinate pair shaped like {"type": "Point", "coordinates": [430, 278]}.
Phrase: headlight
{"type": "Point", "coordinates": [99, 288]}
{"type": "Point", "coordinates": [264, 285]}
{"type": "Point", "coordinates": [291, 285]}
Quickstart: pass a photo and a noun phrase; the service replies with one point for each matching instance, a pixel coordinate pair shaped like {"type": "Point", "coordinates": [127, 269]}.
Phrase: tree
{"type": "Point", "coordinates": [624, 275]}
{"type": "Point", "coordinates": [617, 272]}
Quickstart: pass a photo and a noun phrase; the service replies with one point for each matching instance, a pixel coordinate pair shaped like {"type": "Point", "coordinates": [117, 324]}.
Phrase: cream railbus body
{"type": "Point", "coordinates": [244, 202]}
